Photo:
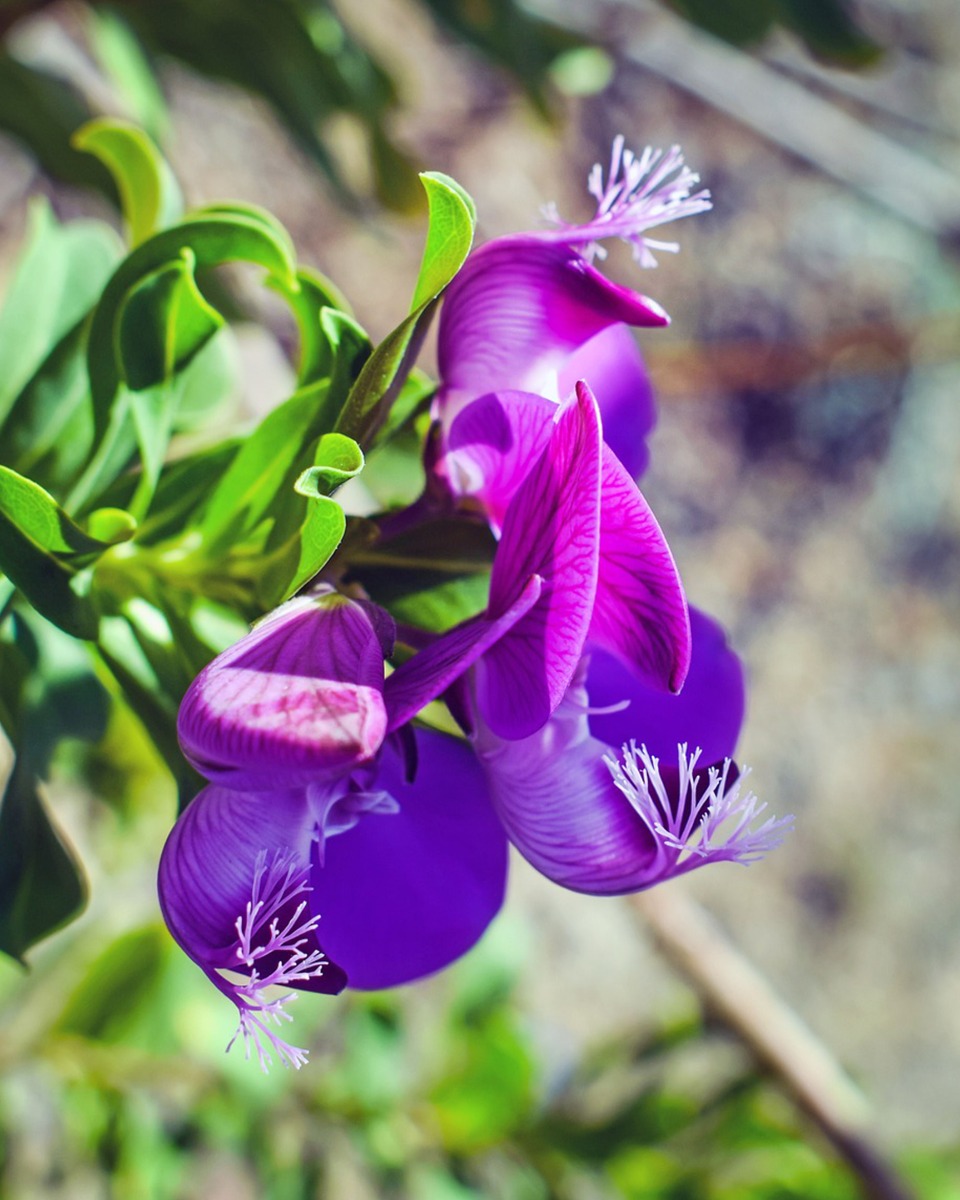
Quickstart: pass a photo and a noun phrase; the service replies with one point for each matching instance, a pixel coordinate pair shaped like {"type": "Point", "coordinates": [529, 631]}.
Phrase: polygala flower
{"type": "Point", "coordinates": [530, 312]}
{"type": "Point", "coordinates": [365, 867]}
{"type": "Point", "coordinates": [612, 799]}
{"type": "Point", "coordinates": [338, 844]}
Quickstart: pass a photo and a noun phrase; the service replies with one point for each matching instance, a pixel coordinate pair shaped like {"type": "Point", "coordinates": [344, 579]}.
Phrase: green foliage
{"type": "Point", "coordinates": [149, 195]}
{"type": "Point", "coordinates": [158, 561]}
{"type": "Point", "coordinates": [828, 27]}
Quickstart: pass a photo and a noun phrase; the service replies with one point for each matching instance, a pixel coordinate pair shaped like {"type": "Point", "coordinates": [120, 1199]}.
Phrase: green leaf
{"type": "Point", "coordinates": [111, 525]}
{"type": "Point", "coordinates": [43, 111]}
{"type": "Point", "coordinates": [41, 550]}
{"type": "Point", "coordinates": [294, 564]}
{"type": "Point", "coordinates": [338, 459]}
{"type": "Point", "coordinates": [123, 655]}
{"type": "Point", "coordinates": [129, 968]}
{"type": "Point", "coordinates": [41, 884]}
{"type": "Point", "coordinates": [163, 322]}
{"type": "Point", "coordinates": [307, 301]}
{"type": "Point", "coordinates": [213, 238]}
{"type": "Point", "coordinates": [38, 516]}
{"type": "Point", "coordinates": [149, 194]}
{"type": "Point", "coordinates": [453, 217]}
{"type": "Point", "coordinates": [291, 565]}
{"type": "Point", "coordinates": [268, 462]}
{"type": "Point", "coordinates": [58, 278]}
{"type": "Point", "coordinates": [49, 430]}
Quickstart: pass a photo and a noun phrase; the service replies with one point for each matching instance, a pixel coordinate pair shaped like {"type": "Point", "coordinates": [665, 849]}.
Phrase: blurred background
{"type": "Point", "coordinates": [805, 470]}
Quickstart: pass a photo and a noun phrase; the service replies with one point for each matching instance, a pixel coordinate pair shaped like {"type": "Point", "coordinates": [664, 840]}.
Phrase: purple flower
{"type": "Point", "coordinates": [332, 855]}
{"type": "Point", "coordinates": [302, 694]}
{"type": "Point", "coordinates": [570, 516]}
{"type": "Point", "coordinates": [337, 845]}
{"type": "Point", "coordinates": [597, 812]}
{"type": "Point", "coordinates": [530, 312]}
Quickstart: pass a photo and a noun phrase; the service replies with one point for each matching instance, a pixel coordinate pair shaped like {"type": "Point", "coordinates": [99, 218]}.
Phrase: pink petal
{"type": "Point", "coordinates": [299, 696]}
{"type": "Point", "coordinates": [551, 529]}
{"type": "Point", "coordinates": [640, 612]}
{"type": "Point", "coordinates": [519, 307]}
{"type": "Point", "coordinates": [432, 670]}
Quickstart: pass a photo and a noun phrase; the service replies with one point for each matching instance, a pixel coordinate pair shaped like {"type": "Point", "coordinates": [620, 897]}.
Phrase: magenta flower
{"type": "Point", "coordinates": [529, 312]}
{"type": "Point", "coordinates": [569, 515]}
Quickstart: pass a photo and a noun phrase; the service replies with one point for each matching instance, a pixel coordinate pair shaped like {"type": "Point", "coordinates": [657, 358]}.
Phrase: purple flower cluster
{"type": "Point", "coordinates": [337, 843]}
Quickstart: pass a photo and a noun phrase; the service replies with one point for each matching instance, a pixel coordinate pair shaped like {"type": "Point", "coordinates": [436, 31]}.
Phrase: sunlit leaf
{"type": "Point", "coordinates": [453, 216]}
{"type": "Point", "coordinates": [149, 195]}
{"type": "Point", "coordinates": [449, 237]}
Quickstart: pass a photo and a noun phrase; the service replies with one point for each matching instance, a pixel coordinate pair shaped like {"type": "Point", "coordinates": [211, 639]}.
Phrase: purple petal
{"type": "Point", "coordinates": [208, 867]}
{"type": "Point", "coordinates": [300, 695]}
{"type": "Point", "coordinates": [551, 529]}
{"type": "Point", "coordinates": [563, 811]}
{"type": "Point", "coordinates": [612, 365]}
{"type": "Point", "coordinates": [492, 446]}
{"type": "Point", "coordinates": [707, 713]}
{"type": "Point", "coordinates": [519, 307]}
{"type": "Point", "coordinates": [432, 670]}
{"type": "Point", "coordinates": [640, 612]}
{"type": "Point", "coordinates": [403, 895]}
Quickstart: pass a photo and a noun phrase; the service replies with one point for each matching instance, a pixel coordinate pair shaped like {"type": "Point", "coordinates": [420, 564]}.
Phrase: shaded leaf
{"type": "Point", "coordinates": [163, 322]}
{"type": "Point", "coordinates": [43, 111]}
{"type": "Point", "coordinates": [41, 884]}
{"type": "Point", "coordinates": [115, 984]}
{"type": "Point", "coordinates": [59, 275]}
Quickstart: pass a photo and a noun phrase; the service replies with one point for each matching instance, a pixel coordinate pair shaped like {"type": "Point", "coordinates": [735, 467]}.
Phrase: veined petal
{"type": "Point", "coordinates": [640, 612]}
{"type": "Point", "coordinates": [612, 365]}
{"type": "Point", "coordinates": [404, 894]}
{"type": "Point", "coordinates": [563, 811]}
{"type": "Point", "coordinates": [300, 695]}
{"type": "Point", "coordinates": [598, 821]}
{"type": "Point", "coordinates": [433, 669]}
{"type": "Point", "coordinates": [551, 529]}
{"type": "Point", "coordinates": [707, 713]}
{"type": "Point", "coordinates": [519, 307]}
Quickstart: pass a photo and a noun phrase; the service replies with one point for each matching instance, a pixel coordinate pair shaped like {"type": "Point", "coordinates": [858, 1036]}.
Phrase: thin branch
{"type": "Point", "coordinates": [732, 988]}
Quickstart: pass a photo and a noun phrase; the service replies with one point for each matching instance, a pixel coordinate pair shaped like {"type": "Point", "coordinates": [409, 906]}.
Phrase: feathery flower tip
{"type": "Point", "coordinates": [260, 934]}
{"type": "Point", "coordinates": [639, 194]}
{"type": "Point", "coordinates": [710, 818]}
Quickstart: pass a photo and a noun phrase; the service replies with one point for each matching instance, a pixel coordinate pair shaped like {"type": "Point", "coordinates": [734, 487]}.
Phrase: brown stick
{"type": "Point", "coordinates": [732, 988]}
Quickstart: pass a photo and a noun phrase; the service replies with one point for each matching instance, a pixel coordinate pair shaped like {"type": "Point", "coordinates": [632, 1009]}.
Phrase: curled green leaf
{"type": "Point", "coordinates": [149, 193]}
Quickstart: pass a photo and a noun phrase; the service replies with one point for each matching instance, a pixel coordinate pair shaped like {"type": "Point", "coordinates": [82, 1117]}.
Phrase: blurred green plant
{"type": "Point", "coordinates": [304, 60]}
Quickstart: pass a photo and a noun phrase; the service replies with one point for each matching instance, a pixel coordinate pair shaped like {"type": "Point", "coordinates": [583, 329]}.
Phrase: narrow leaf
{"type": "Point", "coordinates": [149, 194]}
{"type": "Point", "coordinates": [41, 884]}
